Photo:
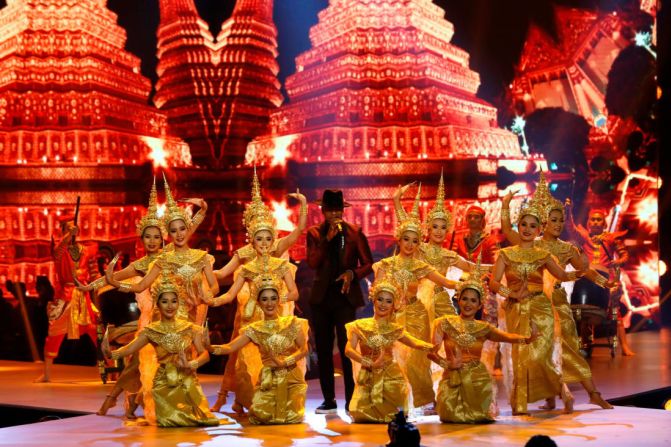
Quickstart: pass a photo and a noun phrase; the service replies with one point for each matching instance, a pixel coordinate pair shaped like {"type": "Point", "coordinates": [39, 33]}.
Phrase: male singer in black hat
{"type": "Point", "coordinates": [340, 254]}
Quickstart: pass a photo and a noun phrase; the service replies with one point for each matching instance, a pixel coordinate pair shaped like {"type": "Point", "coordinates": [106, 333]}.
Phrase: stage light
{"type": "Point", "coordinates": [662, 268]}
{"type": "Point", "coordinates": [644, 39]}
{"type": "Point", "coordinates": [281, 213]}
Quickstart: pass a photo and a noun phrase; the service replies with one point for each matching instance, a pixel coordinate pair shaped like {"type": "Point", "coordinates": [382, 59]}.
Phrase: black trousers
{"type": "Point", "coordinates": [329, 319]}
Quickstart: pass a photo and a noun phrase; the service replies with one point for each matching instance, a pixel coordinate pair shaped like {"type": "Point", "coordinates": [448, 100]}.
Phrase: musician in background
{"type": "Point", "coordinates": [71, 312]}
{"type": "Point", "coordinates": [339, 253]}
{"type": "Point", "coordinates": [605, 252]}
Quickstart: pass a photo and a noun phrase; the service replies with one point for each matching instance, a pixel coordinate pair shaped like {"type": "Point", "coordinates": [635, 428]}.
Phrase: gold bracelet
{"type": "Point", "coordinates": [504, 291]}
{"type": "Point", "coordinates": [115, 355]}
{"type": "Point", "coordinates": [505, 213]}
{"type": "Point", "coordinates": [601, 281]}
{"type": "Point", "coordinates": [366, 362]}
{"type": "Point", "coordinates": [193, 364]}
{"type": "Point", "coordinates": [123, 287]}
{"type": "Point", "coordinates": [304, 210]}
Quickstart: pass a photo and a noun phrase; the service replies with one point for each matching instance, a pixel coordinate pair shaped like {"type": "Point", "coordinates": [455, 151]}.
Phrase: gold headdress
{"type": "Point", "coordinates": [386, 286]}
{"type": "Point", "coordinates": [536, 205]}
{"type": "Point", "coordinates": [438, 211]}
{"type": "Point", "coordinates": [410, 221]}
{"type": "Point", "coordinates": [151, 219]}
{"type": "Point", "coordinates": [474, 281]}
{"type": "Point", "coordinates": [172, 210]}
{"type": "Point", "coordinates": [542, 195]}
{"type": "Point", "coordinates": [257, 216]}
{"type": "Point", "coordinates": [264, 281]}
{"type": "Point", "coordinates": [164, 284]}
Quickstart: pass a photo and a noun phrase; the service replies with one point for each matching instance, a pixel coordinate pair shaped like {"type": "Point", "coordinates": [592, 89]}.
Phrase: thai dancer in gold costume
{"type": "Point", "coordinates": [192, 269]}
{"type": "Point", "coordinates": [466, 391]}
{"type": "Point", "coordinates": [574, 366]}
{"type": "Point", "coordinates": [243, 368]}
{"type": "Point", "coordinates": [152, 233]}
{"type": "Point", "coordinates": [381, 388]}
{"type": "Point", "coordinates": [437, 224]}
{"type": "Point", "coordinates": [178, 398]}
{"type": "Point", "coordinates": [408, 270]}
{"type": "Point", "coordinates": [279, 393]}
{"type": "Point", "coordinates": [536, 374]}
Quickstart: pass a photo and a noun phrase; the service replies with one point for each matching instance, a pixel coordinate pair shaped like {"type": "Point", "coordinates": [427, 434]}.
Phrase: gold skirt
{"type": "Point", "coordinates": [535, 376]}
{"type": "Point", "coordinates": [378, 395]}
{"type": "Point", "coordinates": [415, 363]}
{"type": "Point", "coordinates": [574, 366]}
{"type": "Point", "coordinates": [279, 397]}
{"type": "Point", "coordinates": [465, 394]}
{"type": "Point", "coordinates": [179, 400]}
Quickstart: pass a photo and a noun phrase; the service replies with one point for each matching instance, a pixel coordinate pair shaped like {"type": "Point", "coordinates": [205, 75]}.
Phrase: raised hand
{"type": "Point", "coordinates": [402, 190]}
{"type": "Point", "coordinates": [109, 271]}
{"type": "Point", "coordinates": [508, 197]}
{"type": "Point", "coordinates": [194, 201]}
{"type": "Point", "coordinates": [298, 196]}
{"type": "Point", "coordinates": [82, 287]}
{"type": "Point", "coordinates": [379, 361]}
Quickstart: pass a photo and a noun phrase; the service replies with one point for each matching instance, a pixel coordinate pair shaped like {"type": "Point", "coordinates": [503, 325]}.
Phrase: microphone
{"type": "Point", "coordinates": [339, 226]}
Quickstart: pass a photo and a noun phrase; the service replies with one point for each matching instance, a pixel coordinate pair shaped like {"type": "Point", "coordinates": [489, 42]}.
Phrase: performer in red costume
{"type": "Point", "coordinates": [476, 241]}
{"type": "Point", "coordinates": [606, 254]}
{"type": "Point", "coordinates": [72, 311]}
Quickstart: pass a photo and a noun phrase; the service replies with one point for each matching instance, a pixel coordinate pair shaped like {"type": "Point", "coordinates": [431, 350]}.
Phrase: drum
{"type": "Point", "coordinates": [585, 292]}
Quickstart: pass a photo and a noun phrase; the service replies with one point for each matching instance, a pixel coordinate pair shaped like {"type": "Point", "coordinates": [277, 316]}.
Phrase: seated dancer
{"type": "Point", "coordinates": [279, 394]}
{"type": "Point", "coordinates": [151, 231]}
{"type": "Point", "coordinates": [465, 393]}
{"type": "Point", "coordinates": [536, 375]}
{"type": "Point", "coordinates": [178, 398]}
{"type": "Point", "coordinates": [407, 270]}
{"type": "Point", "coordinates": [381, 388]}
{"type": "Point", "coordinates": [71, 313]}
{"type": "Point", "coordinates": [243, 366]}
{"type": "Point", "coordinates": [247, 364]}
{"type": "Point", "coordinates": [574, 366]}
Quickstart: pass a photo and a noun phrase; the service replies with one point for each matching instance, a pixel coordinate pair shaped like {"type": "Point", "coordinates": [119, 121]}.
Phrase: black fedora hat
{"type": "Point", "coordinates": [332, 199]}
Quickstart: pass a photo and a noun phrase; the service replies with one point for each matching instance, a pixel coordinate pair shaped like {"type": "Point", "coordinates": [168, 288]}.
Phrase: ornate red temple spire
{"type": "Point", "coordinates": [217, 93]}
{"type": "Point", "coordinates": [383, 94]}
{"type": "Point", "coordinates": [74, 121]}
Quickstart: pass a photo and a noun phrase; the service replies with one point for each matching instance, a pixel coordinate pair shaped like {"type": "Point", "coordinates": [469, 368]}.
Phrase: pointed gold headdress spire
{"type": "Point", "coordinates": [543, 196]}
{"type": "Point", "coordinates": [151, 219]}
{"type": "Point", "coordinates": [438, 211]}
{"type": "Point", "coordinates": [410, 221]}
{"type": "Point", "coordinates": [474, 281]}
{"type": "Point", "coordinates": [172, 210]}
{"type": "Point", "coordinates": [257, 215]}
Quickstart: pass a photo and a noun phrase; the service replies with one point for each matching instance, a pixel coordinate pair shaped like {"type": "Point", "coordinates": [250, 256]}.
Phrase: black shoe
{"type": "Point", "coordinates": [327, 407]}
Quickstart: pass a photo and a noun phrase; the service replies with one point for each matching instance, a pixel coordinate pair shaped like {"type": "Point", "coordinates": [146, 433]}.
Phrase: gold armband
{"type": "Point", "coordinates": [304, 210]}
{"type": "Point", "coordinates": [123, 287]}
{"type": "Point", "coordinates": [366, 362]}
{"type": "Point", "coordinates": [116, 355]}
{"type": "Point", "coordinates": [505, 213]}
{"type": "Point", "coordinates": [198, 218]}
{"type": "Point", "coordinates": [504, 291]}
{"type": "Point", "coordinates": [572, 276]}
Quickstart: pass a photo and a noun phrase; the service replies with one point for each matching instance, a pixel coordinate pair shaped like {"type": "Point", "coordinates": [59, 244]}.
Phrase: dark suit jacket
{"type": "Point", "coordinates": [355, 256]}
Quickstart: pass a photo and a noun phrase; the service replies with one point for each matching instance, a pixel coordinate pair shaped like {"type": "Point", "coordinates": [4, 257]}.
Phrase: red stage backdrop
{"type": "Point", "coordinates": [381, 98]}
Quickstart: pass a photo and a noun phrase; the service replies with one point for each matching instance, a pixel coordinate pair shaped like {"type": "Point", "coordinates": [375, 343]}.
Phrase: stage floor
{"type": "Point", "coordinates": [79, 389]}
